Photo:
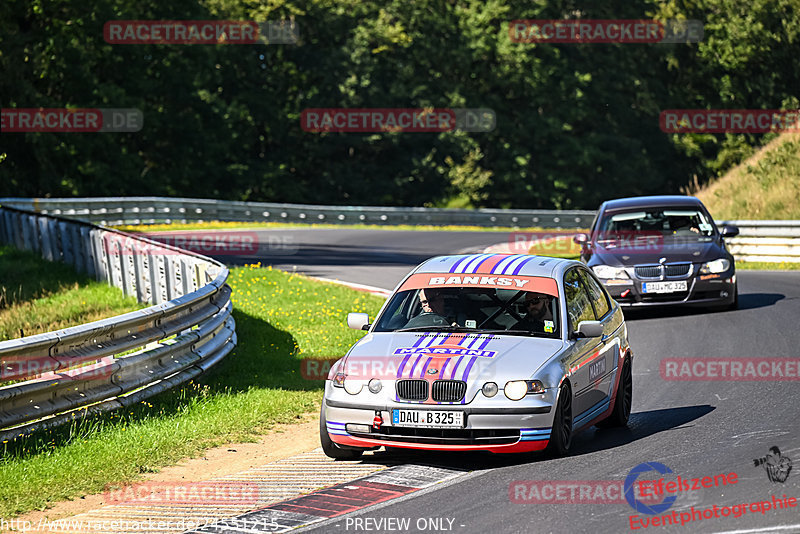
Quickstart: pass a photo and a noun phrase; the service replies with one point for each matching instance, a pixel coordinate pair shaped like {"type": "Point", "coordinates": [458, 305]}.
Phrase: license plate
{"type": "Point", "coordinates": [428, 418]}
{"type": "Point", "coordinates": [664, 287]}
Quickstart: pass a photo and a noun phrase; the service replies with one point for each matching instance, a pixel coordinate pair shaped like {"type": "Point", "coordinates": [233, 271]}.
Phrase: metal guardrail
{"type": "Point", "coordinates": [151, 210]}
{"type": "Point", "coordinates": [770, 241]}
{"type": "Point", "coordinates": [59, 376]}
{"type": "Point", "coordinates": [767, 241]}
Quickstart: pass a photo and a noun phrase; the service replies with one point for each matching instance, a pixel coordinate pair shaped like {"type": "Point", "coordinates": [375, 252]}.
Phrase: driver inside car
{"type": "Point", "coordinates": [537, 312]}
{"type": "Point", "coordinates": [433, 310]}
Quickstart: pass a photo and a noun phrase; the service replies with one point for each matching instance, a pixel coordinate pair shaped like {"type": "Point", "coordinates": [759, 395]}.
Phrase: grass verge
{"type": "Point", "coordinates": [767, 266]}
{"type": "Point", "coordinates": [280, 319]}
{"type": "Point", "coordinates": [765, 186]}
{"type": "Point", "coordinates": [37, 296]}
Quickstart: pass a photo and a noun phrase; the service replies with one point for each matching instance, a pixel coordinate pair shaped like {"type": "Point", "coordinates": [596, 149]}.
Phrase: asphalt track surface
{"type": "Point", "coordinates": [698, 429]}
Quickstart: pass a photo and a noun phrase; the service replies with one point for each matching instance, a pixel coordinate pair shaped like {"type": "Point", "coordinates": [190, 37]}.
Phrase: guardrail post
{"type": "Point", "coordinates": [139, 278]}
{"type": "Point", "coordinates": [126, 269]}
{"type": "Point", "coordinates": [27, 233]}
{"type": "Point", "coordinates": [155, 279]}
{"type": "Point", "coordinates": [46, 237]}
{"type": "Point", "coordinates": [114, 261]}
{"type": "Point", "coordinates": [101, 263]}
{"type": "Point", "coordinates": [5, 226]}
{"type": "Point", "coordinates": [16, 225]}
{"type": "Point", "coordinates": [171, 285]}
{"type": "Point", "coordinates": [66, 242]}
{"type": "Point", "coordinates": [87, 245]}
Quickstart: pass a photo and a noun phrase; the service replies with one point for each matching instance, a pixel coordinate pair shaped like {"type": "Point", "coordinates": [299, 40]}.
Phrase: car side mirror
{"type": "Point", "coordinates": [729, 230]}
{"type": "Point", "coordinates": [589, 329]}
{"type": "Point", "coordinates": [580, 239]}
{"type": "Point", "coordinates": [358, 321]}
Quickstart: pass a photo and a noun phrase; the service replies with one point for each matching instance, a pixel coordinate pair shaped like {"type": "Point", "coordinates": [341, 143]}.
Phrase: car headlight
{"type": "Point", "coordinates": [338, 380]}
{"type": "Point", "coordinates": [609, 272]}
{"type": "Point", "coordinates": [517, 389]}
{"type": "Point", "coordinates": [353, 387]}
{"type": "Point", "coordinates": [375, 385]}
{"type": "Point", "coordinates": [489, 389]}
{"type": "Point", "coordinates": [717, 266]}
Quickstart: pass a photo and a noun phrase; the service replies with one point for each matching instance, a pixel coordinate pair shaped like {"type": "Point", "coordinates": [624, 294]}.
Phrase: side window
{"type": "Point", "coordinates": [579, 307]}
{"type": "Point", "coordinates": [596, 295]}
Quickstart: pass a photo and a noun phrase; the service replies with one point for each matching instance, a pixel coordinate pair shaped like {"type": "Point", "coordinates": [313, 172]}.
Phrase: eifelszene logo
{"type": "Point", "coordinates": [775, 464]}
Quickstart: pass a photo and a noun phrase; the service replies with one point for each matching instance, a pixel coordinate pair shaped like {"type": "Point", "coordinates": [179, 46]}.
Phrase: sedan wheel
{"type": "Point", "coordinates": [623, 400]}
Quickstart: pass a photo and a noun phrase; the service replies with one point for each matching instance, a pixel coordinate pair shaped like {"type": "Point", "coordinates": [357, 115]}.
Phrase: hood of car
{"type": "Point", "coordinates": [450, 356]}
{"type": "Point", "coordinates": [621, 256]}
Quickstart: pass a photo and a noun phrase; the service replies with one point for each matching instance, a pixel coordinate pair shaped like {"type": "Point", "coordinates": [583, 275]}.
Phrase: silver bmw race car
{"type": "Point", "coordinates": [491, 352]}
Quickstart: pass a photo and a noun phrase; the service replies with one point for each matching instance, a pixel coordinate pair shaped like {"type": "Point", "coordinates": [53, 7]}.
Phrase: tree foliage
{"type": "Point", "coordinates": [576, 124]}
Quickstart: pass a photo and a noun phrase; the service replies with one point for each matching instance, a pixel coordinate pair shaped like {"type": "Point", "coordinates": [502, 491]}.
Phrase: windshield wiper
{"type": "Point", "coordinates": [435, 329]}
{"type": "Point", "coordinates": [513, 332]}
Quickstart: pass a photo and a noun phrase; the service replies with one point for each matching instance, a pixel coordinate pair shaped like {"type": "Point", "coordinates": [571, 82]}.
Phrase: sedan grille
{"type": "Point", "coordinates": [677, 269]}
{"type": "Point", "coordinates": [659, 272]}
{"type": "Point", "coordinates": [412, 390]}
{"type": "Point", "coordinates": [647, 271]}
{"type": "Point", "coordinates": [449, 390]}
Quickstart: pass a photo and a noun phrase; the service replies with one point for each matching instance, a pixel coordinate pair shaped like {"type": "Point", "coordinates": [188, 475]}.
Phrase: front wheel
{"type": "Point", "coordinates": [561, 433]}
{"type": "Point", "coordinates": [331, 449]}
{"type": "Point", "coordinates": [623, 400]}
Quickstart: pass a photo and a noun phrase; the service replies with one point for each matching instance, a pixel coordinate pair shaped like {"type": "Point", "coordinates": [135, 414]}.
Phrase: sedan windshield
{"type": "Point", "coordinates": [468, 309]}
{"type": "Point", "coordinates": [655, 221]}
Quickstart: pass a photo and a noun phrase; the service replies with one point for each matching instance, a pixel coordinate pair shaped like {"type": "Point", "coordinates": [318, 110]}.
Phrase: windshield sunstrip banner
{"type": "Point", "coordinates": [539, 284]}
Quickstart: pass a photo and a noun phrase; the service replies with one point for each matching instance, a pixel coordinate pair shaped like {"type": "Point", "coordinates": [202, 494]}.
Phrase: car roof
{"type": "Point", "coordinates": [651, 201]}
{"type": "Point", "coordinates": [497, 264]}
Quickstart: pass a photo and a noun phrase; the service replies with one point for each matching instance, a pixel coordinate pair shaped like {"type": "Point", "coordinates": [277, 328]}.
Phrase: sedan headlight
{"type": "Point", "coordinates": [375, 385]}
{"type": "Point", "coordinates": [717, 266]}
{"type": "Point", "coordinates": [608, 272]}
{"type": "Point", "coordinates": [353, 387]}
{"type": "Point", "coordinates": [489, 389]}
{"type": "Point", "coordinates": [517, 389]}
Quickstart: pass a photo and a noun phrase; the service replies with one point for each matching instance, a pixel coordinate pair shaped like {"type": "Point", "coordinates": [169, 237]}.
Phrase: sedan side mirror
{"type": "Point", "coordinates": [358, 321]}
{"type": "Point", "coordinates": [589, 329]}
{"type": "Point", "coordinates": [580, 239]}
{"type": "Point", "coordinates": [729, 230]}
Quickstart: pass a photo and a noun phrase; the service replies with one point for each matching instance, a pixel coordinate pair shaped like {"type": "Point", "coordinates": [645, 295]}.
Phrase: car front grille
{"type": "Point", "coordinates": [647, 271]}
{"type": "Point", "coordinates": [675, 270]}
{"type": "Point", "coordinates": [412, 390]}
{"type": "Point", "coordinates": [669, 271]}
{"type": "Point", "coordinates": [449, 390]}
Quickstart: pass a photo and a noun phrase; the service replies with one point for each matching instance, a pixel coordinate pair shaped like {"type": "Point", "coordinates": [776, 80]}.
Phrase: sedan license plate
{"type": "Point", "coordinates": [664, 287]}
{"type": "Point", "coordinates": [428, 418]}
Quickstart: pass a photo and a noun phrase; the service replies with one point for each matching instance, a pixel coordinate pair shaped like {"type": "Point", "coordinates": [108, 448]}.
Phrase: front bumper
{"type": "Point", "coordinates": [492, 429]}
{"type": "Point", "coordinates": [702, 290]}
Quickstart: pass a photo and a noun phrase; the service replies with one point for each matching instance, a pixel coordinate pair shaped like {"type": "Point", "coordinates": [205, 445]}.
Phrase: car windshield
{"type": "Point", "coordinates": [664, 222]}
{"type": "Point", "coordinates": [472, 309]}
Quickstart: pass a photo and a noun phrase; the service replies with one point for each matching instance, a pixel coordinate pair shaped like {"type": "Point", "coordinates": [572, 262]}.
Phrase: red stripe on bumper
{"type": "Point", "coordinates": [520, 446]}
